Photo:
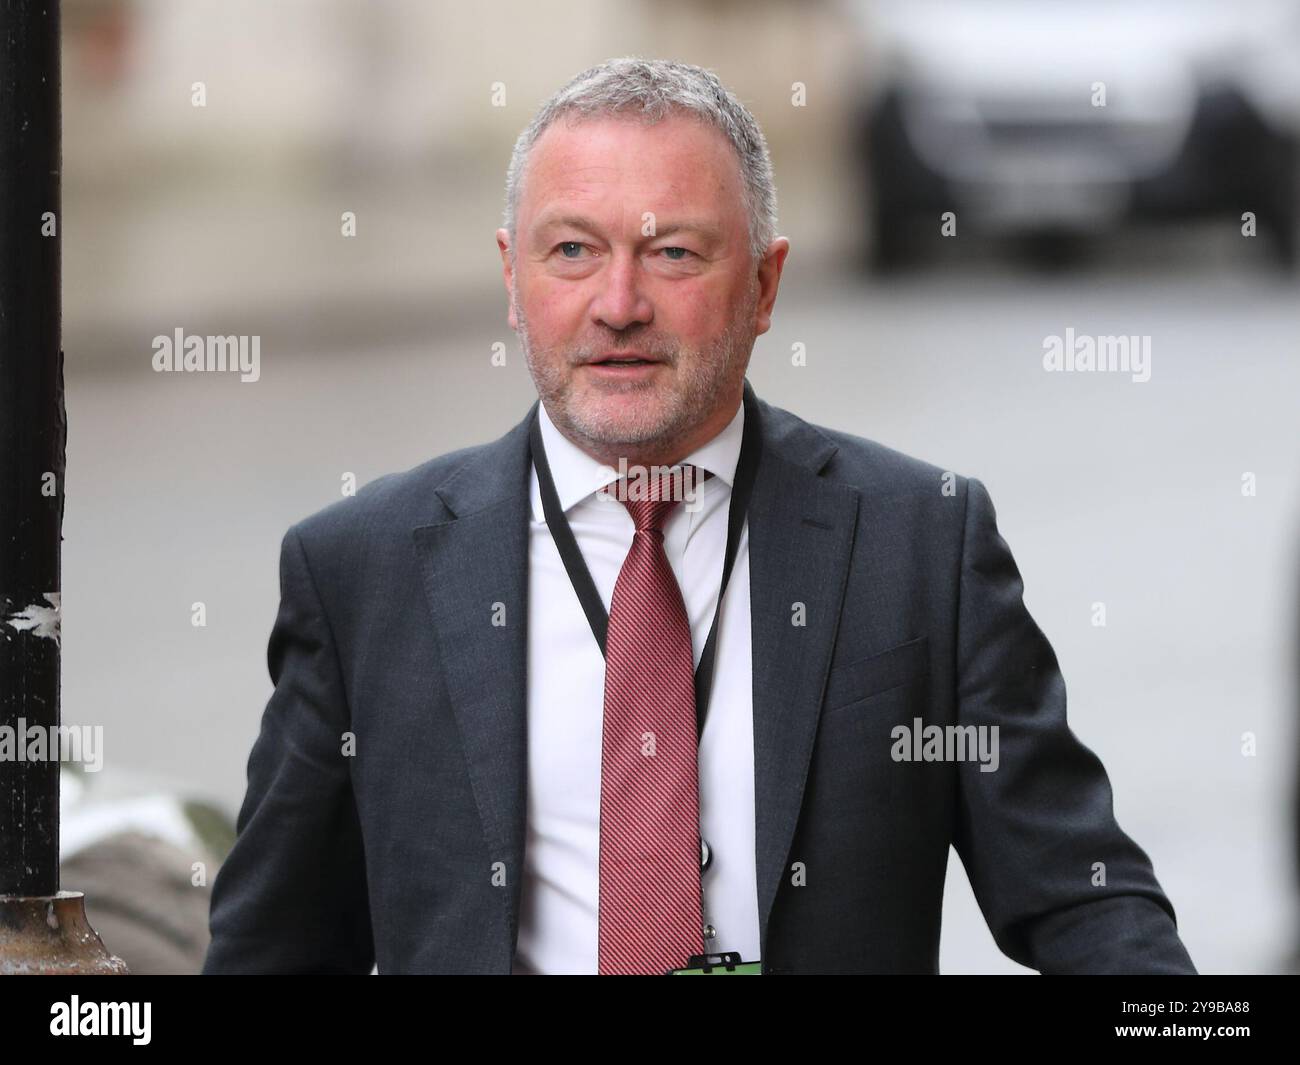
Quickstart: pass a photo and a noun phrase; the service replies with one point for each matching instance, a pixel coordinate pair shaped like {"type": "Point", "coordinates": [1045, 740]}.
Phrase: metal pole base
{"type": "Point", "coordinates": [49, 935]}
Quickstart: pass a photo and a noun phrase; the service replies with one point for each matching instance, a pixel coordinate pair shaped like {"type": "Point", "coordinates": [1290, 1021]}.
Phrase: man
{"type": "Point", "coordinates": [509, 734]}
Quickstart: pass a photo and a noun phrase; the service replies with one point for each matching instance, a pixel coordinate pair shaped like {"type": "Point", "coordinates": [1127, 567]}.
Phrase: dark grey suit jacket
{"type": "Point", "coordinates": [410, 851]}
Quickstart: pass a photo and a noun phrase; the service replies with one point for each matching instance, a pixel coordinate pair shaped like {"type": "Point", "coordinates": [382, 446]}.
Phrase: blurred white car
{"type": "Point", "coordinates": [1033, 117]}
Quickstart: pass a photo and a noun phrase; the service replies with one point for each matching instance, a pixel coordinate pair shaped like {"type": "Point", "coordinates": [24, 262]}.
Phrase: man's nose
{"type": "Point", "coordinates": [621, 300]}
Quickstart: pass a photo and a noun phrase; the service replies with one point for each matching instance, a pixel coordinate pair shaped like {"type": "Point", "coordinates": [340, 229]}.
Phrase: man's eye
{"type": "Point", "coordinates": [570, 249]}
{"type": "Point", "coordinates": [673, 254]}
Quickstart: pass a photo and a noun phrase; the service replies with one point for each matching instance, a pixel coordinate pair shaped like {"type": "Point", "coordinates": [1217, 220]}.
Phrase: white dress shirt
{"type": "Point", "coordinates": [566, 698]}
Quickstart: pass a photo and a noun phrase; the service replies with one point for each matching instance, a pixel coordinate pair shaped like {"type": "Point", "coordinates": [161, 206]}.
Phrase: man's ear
{"type": "Point", "coordinates": [769, 279]}
{"type": "Point", "coordinates": [507, 272]}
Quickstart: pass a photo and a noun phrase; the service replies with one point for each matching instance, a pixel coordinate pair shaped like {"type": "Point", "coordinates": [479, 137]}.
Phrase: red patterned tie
{"type": "Point", "coordinates": [650, 906]}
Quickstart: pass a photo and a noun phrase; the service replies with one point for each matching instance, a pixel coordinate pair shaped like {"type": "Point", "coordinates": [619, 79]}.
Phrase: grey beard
{"type": "Point", "coordinates": [690, 403]}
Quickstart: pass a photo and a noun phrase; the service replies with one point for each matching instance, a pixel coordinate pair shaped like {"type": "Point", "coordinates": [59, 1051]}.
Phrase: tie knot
{"type": "Point", "coordinates": [650, 493]}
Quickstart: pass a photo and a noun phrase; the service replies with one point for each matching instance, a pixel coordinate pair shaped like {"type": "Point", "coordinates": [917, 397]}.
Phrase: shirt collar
{"type": "Point", "coordinates": [577, 475]}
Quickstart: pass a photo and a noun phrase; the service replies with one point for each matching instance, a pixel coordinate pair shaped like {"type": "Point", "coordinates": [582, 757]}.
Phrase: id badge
{"type": "Point", "coordinates": [726, 964]}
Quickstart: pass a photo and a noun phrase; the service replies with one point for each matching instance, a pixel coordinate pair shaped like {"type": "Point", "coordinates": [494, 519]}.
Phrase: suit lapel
{"type": "Point", "coordinates": [801, 532]}
{"type": "Point", "coordinates": [475, 571]}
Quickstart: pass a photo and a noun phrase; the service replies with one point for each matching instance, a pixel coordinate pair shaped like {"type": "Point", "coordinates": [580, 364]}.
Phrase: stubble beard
{"type": "Point", "coordinates": [699, 379]}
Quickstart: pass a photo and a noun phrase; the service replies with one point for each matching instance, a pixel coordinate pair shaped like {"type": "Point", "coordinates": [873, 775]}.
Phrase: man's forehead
{"type": "Point", "coordinates": [577, 165]}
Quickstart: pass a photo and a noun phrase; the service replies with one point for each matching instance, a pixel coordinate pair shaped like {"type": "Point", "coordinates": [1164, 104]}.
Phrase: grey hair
{"type": "Point", "coordinates": [651, 90]}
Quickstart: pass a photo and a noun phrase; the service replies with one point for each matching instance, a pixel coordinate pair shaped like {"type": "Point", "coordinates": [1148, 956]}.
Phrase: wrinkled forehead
{"type": "Point", "coordinates": [626, 166]}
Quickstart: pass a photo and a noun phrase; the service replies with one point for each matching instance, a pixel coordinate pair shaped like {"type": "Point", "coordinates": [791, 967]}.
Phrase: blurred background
{"type": "Point", "coordinates": [1111, 168]}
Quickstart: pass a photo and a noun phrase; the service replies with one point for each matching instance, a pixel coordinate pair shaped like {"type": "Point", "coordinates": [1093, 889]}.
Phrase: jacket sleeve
{"type": "Point", "coordinates": [291, 896]}
{"type": "Point", "coordinates": [1062, 888]}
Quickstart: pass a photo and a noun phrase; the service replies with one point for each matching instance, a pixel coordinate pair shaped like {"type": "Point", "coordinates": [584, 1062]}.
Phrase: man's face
{"type": "Point", "coordinates": [632, 242]}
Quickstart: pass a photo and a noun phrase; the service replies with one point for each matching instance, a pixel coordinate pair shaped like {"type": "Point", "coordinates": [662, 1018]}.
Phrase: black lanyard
{"type": "Point", "coordinates": [580, 577]}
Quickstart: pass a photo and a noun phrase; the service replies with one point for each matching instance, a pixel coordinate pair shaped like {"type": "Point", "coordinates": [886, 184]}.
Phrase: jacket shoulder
{"type": "Point", "coordinates": [395, 501]}
{"type": "Point", "coordinates": [869, 465]}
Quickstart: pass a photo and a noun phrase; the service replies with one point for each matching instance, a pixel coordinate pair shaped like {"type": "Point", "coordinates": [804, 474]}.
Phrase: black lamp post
{"type": "Point", "coordinates": [42, 929]}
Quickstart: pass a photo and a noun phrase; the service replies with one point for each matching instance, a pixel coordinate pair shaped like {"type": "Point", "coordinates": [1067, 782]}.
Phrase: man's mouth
{"type": "Point", "coordinates": [622, 359]}
{"type": "Point", "coordinates": [623, 367]}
